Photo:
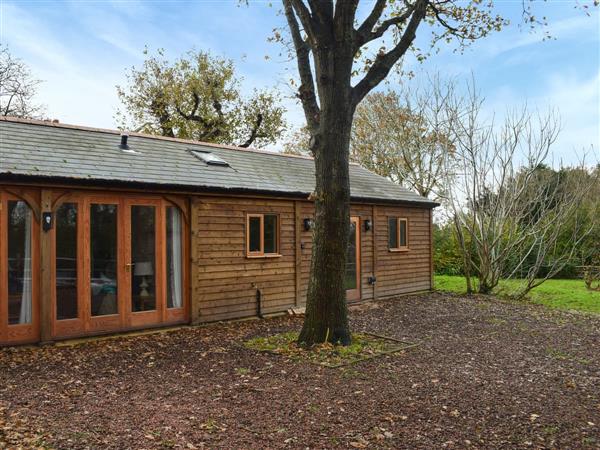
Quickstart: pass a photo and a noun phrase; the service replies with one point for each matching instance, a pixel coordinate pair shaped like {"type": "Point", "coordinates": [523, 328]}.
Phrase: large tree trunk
{"type": "Point", "coordinates": [326, 309]}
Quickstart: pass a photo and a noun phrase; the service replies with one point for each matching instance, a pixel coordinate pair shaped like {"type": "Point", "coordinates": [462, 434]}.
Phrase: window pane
{"type": "Point", "coordinates": [19, 263]}
{"type": "Point", "coordinates": [174, 272]}
{"type": "Point", "coordinates": [143, 258]}
{"type": "Point", "coordinates": [392, 232]}
{"type": "Point", "coordinates": [254, 234]}
{"type": "Point", "coordinates": [66, 261]}
{"type": "Point", "coordinates": [403, 236]}
{"type": "Point", "coordinates": [351, 272]}
{"type": "Point", "coordinates": [103, 259]}
{"type": "Point", "coordinates": [270, 233]}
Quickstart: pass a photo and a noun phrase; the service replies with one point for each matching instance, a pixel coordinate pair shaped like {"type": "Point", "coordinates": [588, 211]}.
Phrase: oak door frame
{"type": "Point", "coordinates": [75, 326]}
{"type": "Point", "coordinates": [85, 323]}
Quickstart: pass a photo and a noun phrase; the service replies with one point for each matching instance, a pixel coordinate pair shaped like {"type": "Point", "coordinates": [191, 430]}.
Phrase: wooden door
{"type": "Point", "coordinates": [19, 237]}
{"type": "Point", "coordinates": [352, 279]}
{"type": "Point", "coordinates": [105, 291]}
{"type": "Point", "coordinates": [68, 273]}
{"type": "Point", "coordinates": [143, 268]}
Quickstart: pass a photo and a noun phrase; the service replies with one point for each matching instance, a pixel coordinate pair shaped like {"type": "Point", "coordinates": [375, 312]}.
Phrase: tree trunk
{"type": "Point", "coordinates": [326, 309]}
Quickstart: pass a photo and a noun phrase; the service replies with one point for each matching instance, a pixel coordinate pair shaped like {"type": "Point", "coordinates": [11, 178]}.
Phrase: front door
{"type": "Point", "coordinates": [352, 280]}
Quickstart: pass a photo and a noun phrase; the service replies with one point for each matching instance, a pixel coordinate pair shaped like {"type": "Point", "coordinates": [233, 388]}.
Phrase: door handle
{"type": "Point", "coordinates": [129, 266]}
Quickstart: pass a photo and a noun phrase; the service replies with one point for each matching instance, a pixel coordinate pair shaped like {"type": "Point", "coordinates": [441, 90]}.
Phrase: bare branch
{"type": "Point", "coordinates": [385, 61]}
{"type": "Point", "coordinates": [398, 20]}
{"type": "Point", "coordinates": [254, 132]}
{"type": "Point", "coordinates": [306, 91]}
{"type": "Point", "coordinates": [372, 18]}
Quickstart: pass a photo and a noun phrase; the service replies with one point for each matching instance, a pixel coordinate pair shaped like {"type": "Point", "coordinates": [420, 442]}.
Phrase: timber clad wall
{"type": "Point", "coordinates": [405, 271]}
{"type": "Point", "coordinates": [225, 281]}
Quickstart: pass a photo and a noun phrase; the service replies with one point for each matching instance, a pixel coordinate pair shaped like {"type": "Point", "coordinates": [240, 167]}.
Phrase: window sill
{"type": "Point", "coordinates": [270, 255]}
{"type": "Point", "coordinates": [405, 249]}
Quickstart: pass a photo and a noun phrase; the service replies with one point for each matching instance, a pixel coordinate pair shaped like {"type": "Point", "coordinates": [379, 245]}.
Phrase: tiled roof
{"type": "Point", "coordinates": [40, 149]}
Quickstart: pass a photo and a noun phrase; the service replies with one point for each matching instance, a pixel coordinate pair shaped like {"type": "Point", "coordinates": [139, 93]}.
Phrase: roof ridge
{"type": "Point", "coordinates": [57, 124]}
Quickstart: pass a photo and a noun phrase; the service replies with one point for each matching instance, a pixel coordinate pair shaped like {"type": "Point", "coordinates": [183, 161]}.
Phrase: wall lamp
{"type": "Point", "coordinates": [368, 225]}
{"type": "Point", "coordinates": [308, 224]}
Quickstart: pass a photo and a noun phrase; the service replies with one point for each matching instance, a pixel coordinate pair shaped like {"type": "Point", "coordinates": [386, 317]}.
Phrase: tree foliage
{"type": "Point", "coordinates": [18, 88]}
{"type": "Point", "coordinates": [199, 97]}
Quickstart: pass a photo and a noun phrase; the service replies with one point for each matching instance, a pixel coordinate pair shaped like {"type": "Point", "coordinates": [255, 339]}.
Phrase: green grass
{"type": "Point", "coordinates": [363, 347]}
{"type": "Point", "coordinates": [560, 294]}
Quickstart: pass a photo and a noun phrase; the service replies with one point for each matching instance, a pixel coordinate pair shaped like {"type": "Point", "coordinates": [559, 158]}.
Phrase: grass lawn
{"type": "Point", "coordinates": [561, 294]}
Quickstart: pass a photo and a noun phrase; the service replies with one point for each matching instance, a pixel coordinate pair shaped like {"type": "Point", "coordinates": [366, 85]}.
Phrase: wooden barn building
{"type": "Point", "coordinates": [101, 233]}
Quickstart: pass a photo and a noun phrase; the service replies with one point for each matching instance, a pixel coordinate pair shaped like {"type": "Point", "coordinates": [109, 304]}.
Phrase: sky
{"type": "Point", "coordinates": [82, 49]}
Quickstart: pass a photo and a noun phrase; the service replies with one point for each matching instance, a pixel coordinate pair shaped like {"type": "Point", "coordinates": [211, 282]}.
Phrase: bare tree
{"type": "Point", "coordinates": [17, 88]}
{"type": "Point", "coordinates": [404, 135]}
{"type": "Point", "coordinates": [509, 217]}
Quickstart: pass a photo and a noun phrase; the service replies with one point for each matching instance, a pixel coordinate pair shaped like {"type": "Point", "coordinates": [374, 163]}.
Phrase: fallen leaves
{"type": "Point", "coordinates": [472, 383]}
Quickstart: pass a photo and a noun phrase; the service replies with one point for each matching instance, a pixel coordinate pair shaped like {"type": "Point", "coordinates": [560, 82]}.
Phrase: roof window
{"type": "Point", "coordinates": [209, 158]}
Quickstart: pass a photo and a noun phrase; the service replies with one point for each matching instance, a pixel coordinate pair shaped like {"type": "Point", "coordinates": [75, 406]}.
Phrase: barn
{"type": "Point", "coordinates": [102, 232]}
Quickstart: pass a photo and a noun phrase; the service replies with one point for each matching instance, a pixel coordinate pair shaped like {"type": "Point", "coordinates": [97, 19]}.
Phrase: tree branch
{"type": "Point", "coordinates": [254, 132]}
{"type": "Point", "coordinates": [385, 61]}
{"type": "Point", "coordinates": [372, 18]}
{"type": "Point", "coordinates": [369, 35]}
{"type": "Point", "coordinates": [305, 16]}
{"type": "Point", "coordinates": [306, 91]}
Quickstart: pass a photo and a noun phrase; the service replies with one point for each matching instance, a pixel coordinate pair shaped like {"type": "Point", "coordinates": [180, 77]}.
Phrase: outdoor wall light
{"type": "Point", "coordinates": [308, 224]}
{"type": "Point", "coordinates": [47, 221]}
{"type": "Point", "coordinates": [368, 224]}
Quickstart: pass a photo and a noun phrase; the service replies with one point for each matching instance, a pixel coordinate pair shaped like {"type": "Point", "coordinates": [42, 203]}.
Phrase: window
{"type": "Point", "coordinates": [174, 258]}
{"type": "Point", "coordinates": [19, 270]}
{"type": "Point", "coordinates": [209, 158]}
{"type": "Point", "coordinates": [398, 233]}
{"type": "Point", "coordinates": [262, 235]}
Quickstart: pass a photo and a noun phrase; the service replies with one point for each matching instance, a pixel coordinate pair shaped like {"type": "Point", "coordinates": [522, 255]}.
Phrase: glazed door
{"type": "Point", "coordinates": [143, 262]}
{"type": "Point", "coordinates": [119, 263]}
{"type": "Point", "coordinates": [19, 318]}
{"type": "Point", "coordinates": [353, 261]}
{"type": "Point", "coordinates": [106, 291]}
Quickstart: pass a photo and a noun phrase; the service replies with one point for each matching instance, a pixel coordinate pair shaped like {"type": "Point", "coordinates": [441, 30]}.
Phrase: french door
{"type": "Point", "coordinates": [19, 232]}
{"type": "Point", "coordinates": [118, 264]}
{"type": "Point", "coordinates": [352, 280]}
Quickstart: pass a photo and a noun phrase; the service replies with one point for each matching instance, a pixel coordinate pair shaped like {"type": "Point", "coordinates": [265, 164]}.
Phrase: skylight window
{"type": "Point", "coordinates": [209, 158]}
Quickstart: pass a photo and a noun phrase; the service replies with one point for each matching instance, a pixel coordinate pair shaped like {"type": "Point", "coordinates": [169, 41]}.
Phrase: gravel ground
{"type": "Point", "coordinates": [487, 374]}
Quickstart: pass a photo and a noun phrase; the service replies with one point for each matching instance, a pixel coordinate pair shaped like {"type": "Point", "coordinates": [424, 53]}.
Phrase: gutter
{"type": "Point", "coordinates": [186, 189]}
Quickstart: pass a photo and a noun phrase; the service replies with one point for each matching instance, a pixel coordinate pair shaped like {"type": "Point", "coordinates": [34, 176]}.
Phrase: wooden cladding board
{"type": "Point", "coordinates": [225, 281]}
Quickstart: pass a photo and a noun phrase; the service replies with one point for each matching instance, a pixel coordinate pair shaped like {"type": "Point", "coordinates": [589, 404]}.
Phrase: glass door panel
{"type": "Point", "coordinates": [66, 262]}
{"type": "Point", "coordinates": [352, 279]}
{"type": "Point", "coordinates": [19, 263]}
{"type": "Point", "coordinates": [174, 258]}
{"type": "Point", "coordinates": [19, 231]}
{"type": "Point", "coordinates": [103, 259]}
{"type": "Point", "coordinates": [143, 258]}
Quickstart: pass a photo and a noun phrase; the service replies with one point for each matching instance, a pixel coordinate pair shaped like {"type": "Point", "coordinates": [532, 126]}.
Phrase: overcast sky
{"type": "Point", "coordinates": [81, 50]}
